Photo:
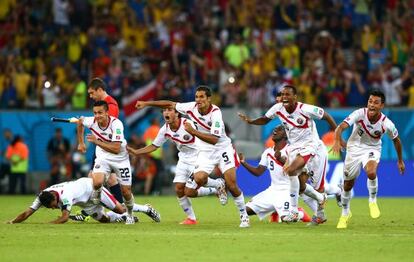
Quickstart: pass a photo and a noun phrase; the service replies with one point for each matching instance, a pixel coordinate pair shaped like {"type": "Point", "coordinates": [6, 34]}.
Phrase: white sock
{"type": "Point", "coordinates": [372, 189]}
{"type": "Point", "coordinates": [346, 202]}
{"type": "Point", "coordinates": [130, 204]}
{"type": "Point", "coordinates": [332, 189]}
{"type": "Point", "coordinates": [206, 191]}
{"type": "Point", "coordinates": [294, 193]}
{"type": "Point", "coordinates": [185, 204]}
{"type": "Point", "coordinates": [239, 201]}
{"type": "Point", "coordinates": [312, 203]}
{"type": "Point", "coordinates": [140, 208]}
{"type": "Point", "coordinates": [311, 192]}
{"type": "Point", "coordinates": [113, 216]}
{"type": "Point", "coordinates": [212, 183]}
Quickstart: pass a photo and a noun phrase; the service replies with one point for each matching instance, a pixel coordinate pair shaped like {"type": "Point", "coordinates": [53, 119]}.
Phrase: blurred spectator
{"type": "Point", "coordinates": [79, 94]}
{"type": "Point", "coordinates": [4, 164]}
{"type": "Point", "coordinates": [17, 154]}
{"type": "Point", "coordinates": [58, 150]}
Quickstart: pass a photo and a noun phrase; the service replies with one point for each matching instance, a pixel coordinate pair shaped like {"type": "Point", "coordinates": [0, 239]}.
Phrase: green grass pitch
{"type": "Point", "coordinates": [217, 237]}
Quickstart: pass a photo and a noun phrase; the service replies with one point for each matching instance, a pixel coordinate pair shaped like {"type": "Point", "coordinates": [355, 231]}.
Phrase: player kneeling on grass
{"type": "Point", "coordinates": [76, 193]}
{"type": "Point", "coordinates": [276, 197]}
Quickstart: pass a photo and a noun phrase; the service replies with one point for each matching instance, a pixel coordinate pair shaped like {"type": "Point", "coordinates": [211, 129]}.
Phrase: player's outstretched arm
{"type": "Point", "coordinates": [160, 103]}
{"type": "Point", "coordinates": [80, 130]}
{"type": "Point", "coordinates": [22, 216]}
{"type": "Point", "coordinates": [145, 150]}
{"type": "Point", "coordinates": [257, 171]}
{"type": "Point", "coordinates": [263, 120]}
{"type": "Point", "coordinates": [328, 118]}
{"type": "Point", "coordinates": [398, 149]}
{"type": "Point", "coordinates": [63, 218]}
{"type": "Point", "coordinates": [339, 142]}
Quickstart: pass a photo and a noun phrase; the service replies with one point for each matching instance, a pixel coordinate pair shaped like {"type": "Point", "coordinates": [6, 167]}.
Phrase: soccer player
{"type": "Point", "coordinates": [97, 92]}
{"type": "Point", "coordinates": [364, 150]}
{"type": "Point", "coordinates": [111, 154]}
{"type": "Point", "coordinates": [74, 193]}
{"type": "Point", "coordinates": [215, 146]}
{"type": "Point", "coordinates": [174, 130]}
{"type": "Point", "coordinates": [276, 197]}
{"type": "Point", "coordinates": [297, 118]}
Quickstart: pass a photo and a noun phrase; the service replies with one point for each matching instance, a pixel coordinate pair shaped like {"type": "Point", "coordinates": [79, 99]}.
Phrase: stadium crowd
{"type": "Point", "coordinates": [334, 51]}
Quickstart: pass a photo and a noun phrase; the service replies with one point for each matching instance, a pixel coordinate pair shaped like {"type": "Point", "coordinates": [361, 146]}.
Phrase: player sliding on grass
{"type": "Point", "coordinates": [174, 130]}
{"type": "Point", "coordinates": [76, 193]}
{"type": "Point", "coordinates": [297, 119]}
{"type": "Point", "coordinates": [215, 146]}
{"type": "Point", "coordinates": [364, 150]}
{"type": "Point", "coordinates": [276, 197]}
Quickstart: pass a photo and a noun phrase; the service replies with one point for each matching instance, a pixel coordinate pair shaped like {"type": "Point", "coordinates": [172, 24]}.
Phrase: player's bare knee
{"type": "Point", "coordinates": [371, 174]}
{"type": "Point", "coordinates": [234, 190]}
{"type": "Point", "coordinates": [189, 192]}
{"type": "Point", "coordinates": [112, 180]}
{"type": "Point", "coordinates": [200, 179]}
{"type": "Point", "coordinates": [126, 192]}
{"type": "Point", "coordinates": [348, 185]}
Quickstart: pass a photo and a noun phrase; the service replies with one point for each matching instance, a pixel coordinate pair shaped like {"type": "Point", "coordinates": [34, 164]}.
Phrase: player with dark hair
{"type": "Point", "coordinates": [187, 145]}
{"type": "Point", "coordinates": [276, 197]}
{"type": "Point", "coordinates": [215, 146]}
{"type": "Point", "coordinates": [297, 118]}
{"type": "Point", "coordinates": [364, 150]}
{"type": "Point", "coordinates": [75, 193]}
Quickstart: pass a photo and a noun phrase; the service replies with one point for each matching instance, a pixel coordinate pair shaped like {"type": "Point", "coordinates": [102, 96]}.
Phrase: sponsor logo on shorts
{"type": "Point", "coordinates": [377, 133]}
{"type": "Point", "coordinates": [110, 136]}
{"type": "Point", "coordinates": [371, 155]}
{"type": "Point", "coordinates": [300, 121]}
{"type": "Point", "coordinates": [209, 123]}
{"type": "Point", "coordinates": [97, 166]}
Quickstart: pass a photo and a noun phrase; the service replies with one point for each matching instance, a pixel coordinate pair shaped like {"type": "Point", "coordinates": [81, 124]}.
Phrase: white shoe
{"type": "Point", "coordinates": [221, 191]}
{"type": "Point", "coordinates": [323, 202]}
{"type": "Point", "coordinates": [129, 220]}
{"type": "Point", "coordinates": [244, 220]}
{"type": "Point", "coordinates": [293, 216]}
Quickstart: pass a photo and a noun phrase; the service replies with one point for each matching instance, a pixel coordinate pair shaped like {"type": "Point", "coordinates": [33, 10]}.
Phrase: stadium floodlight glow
{"type": "Point", "coordinates": [232, 79]}
{"type": "Point", "coordinates": [47, 84]}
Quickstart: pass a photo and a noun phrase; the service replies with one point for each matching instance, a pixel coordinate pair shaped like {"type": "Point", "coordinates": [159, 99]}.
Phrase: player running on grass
{"type": "Point", "coordinates": [76, 193]}
{"type": "Point", "coordinates": [297, 119]}
{"type": "Point", "coordinates": [174, 130]}
{"type": "Point", "coordinates": [364, 150]}
{"type": "Point", "coordinates": [276, 197]}
{"type": "Point", "coordinates": [111, 153]}
{"type": "Point", "coordinates": [215, 147]}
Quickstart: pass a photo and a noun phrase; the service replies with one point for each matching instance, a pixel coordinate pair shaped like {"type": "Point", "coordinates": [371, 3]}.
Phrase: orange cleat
{"type": "Point", "coordinates": [306, 217]}
{"type": "Point", "coordinates": [189, 221]}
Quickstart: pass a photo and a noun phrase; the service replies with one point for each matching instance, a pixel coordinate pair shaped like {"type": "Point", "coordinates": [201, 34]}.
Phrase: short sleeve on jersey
{"type": "Point", "coordinates": [36, 204]}
{"type": "Point", "coordinates": [117, 131]}
{"type": "Point", "coordinates": [312, 111]}
{"type": "Point", "coordinates": [160, 139]}
{"type": "Point", "coordinates": [217, 125]}
{"type": "Point", "coordinates": [88, 121]}
{"type": "Point", "coordinates": [184, 107]}
{"type": "Point", "coordinates": [263, 159]}
{"type": "Point", "coordinates": [354, 116]}
{"type": "Point", "coordinates": [390, 129]}
{"type": "Point", "coordinates": [271, 113]}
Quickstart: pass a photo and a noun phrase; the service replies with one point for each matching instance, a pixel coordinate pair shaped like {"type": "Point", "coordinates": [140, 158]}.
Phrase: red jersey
{"type": "Point", "coordinates": [113, 106]}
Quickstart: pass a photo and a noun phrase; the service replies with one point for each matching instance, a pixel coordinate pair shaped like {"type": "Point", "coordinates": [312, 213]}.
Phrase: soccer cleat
{"type": "Point", "coordinates": [306, 217]}
{"type": "Point", "coordinates": [317, 220]}
{"type": "Point", "coordinates": [124, 218]}
{"type": "Point", "coordinates": [343, 221]}
{"type": "Point", "coordinates": [293, 216]}
{"type": "Point", "coordinates": [188, 221]}
{"type": "Point", "coordinates": [129, 220]}
{"type": "Point", "coordinates": [274, 217]}
{"type": "Point", "coordinates": [153, 214]}
{"type": "Point", "coordinates": [244, 220]}
{"type": "Point", "coordinates": [81, 216]}
{"type": "Point", "coordinates": [374, 210]}
{"type": "Point", "coordinates": [221, 191]}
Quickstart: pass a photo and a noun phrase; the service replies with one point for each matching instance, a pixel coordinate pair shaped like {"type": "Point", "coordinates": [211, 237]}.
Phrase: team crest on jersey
{"type": "Point", "coordinates": [300, 121]}
{"type": "Point", "coordinates": [377, 133]}
{"type": "Point", "coordinates": [110, 136]}
{"type": "Point", "coordinates": [209, 123]}
{"type": "Point", "coordinates": [186, 137]}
